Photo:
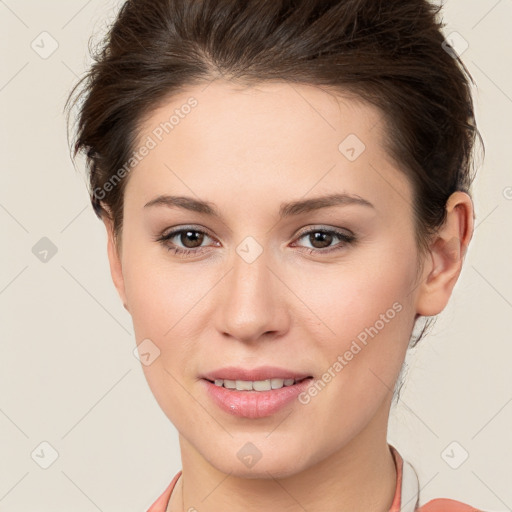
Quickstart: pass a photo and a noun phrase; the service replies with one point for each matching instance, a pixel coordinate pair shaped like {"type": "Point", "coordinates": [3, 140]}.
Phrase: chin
{"type": "Point", "coordinates": [262, 471]}
{"type": "Point", "coordinates": [265, 462]}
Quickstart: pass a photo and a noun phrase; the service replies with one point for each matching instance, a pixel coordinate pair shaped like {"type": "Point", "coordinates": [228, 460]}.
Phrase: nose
{"type": "Point", "coordinates": [253, 300]}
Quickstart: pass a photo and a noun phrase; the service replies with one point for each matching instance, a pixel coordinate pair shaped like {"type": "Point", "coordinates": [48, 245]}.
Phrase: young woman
{"type": "Point", "coordinates": [285, 186]}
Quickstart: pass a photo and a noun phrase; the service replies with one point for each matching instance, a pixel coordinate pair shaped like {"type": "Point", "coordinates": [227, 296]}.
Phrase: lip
{"type": "Point", "coordinates": [254, 404]}
{"type": "Point", "coordinates": [260, 373]}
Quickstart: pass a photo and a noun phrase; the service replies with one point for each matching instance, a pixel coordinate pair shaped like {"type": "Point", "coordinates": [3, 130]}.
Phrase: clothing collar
{"type": "Point", "coordinates": [408, 486]}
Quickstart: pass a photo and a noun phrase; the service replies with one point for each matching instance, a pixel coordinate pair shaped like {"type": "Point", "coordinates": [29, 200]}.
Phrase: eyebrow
{"type": "Point", "coordinates": [286, 209]}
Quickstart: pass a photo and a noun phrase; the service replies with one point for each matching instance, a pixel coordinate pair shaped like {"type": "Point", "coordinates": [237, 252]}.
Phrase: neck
{"type": "Point", "coordinates": [361, 476]}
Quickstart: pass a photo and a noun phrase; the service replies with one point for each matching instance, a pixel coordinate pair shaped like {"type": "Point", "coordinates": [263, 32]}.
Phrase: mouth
{"type": "Point", "coordinates": [257, 385]}
{"type": "Point", "coordinates": [255, 399]}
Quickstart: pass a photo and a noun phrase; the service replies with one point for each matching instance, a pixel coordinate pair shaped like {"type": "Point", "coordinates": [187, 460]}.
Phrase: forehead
{"type": "Point", "coordinates": [273, 139]}
{"type": "Point", "coordinates": [274, 114]}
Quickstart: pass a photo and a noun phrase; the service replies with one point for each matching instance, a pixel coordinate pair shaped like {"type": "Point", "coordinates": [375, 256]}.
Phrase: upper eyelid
{"type": "Point", "coordinates": [176, 231]}
{"type": "Point", "coordinates": [313, 228]}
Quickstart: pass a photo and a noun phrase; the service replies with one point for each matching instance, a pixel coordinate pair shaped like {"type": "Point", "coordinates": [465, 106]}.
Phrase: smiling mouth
{"type": "Point", "coordinates": [258, 385]}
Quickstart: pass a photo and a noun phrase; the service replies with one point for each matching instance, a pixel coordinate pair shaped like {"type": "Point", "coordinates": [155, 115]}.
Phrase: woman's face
{"type": "Point", "coordinates": [266, 284]}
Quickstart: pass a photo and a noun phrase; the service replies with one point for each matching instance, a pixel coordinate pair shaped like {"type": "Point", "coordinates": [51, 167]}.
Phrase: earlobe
{"type": "Point", "coordinates": [446, 256]}
{"type": "Point", "coordinates": [114, 258]}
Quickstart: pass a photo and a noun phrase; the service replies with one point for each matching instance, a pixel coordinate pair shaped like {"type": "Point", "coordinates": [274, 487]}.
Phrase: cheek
{"type": "Point", "coordinates": [359, 294]}
{"type": "Point", "coordinates": [370, 321]}
{"type": "Point", "coordinates": [367, 313]}
{"type": "Point", "coordinates": [158, 292]}
{"type": "Point", "coordinates": [165, 300]}
{"type": "Point", "coordinates": [162, 306]}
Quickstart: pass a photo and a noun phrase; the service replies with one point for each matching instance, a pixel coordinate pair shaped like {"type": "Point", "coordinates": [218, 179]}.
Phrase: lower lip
{"type": "Point", "coordinates": [255, 404]}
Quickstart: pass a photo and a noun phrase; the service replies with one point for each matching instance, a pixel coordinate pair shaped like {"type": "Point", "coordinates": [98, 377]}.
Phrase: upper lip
{"type": "Point", "coordinates": [254, 374]}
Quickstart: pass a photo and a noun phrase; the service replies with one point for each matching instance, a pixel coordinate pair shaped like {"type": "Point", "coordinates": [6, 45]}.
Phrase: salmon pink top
{"type": "Point", "coordinates": [406, 497]}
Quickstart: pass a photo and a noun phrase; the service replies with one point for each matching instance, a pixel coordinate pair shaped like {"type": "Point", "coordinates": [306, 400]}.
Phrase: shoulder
{"type": "Point", "coordinates": [447, 505]}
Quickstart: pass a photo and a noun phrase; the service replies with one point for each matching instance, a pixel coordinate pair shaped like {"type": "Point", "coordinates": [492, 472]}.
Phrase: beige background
{"type": "Point", "coordinates": [68, 376]}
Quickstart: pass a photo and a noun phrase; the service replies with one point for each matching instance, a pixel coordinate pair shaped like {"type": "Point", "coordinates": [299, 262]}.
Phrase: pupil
{"type": "Point", "coordinates": [191, 234]}
{"type": "Point", "coordinates": [323, 238]}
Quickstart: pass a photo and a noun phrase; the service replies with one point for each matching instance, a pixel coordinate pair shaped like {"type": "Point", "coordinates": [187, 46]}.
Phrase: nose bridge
{"type": "Point", "coordinates": [250, 307]}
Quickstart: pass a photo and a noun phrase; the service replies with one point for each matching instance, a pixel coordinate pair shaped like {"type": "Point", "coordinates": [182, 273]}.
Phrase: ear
{"type": "Point", "coordinates": [446, 255]}
{"type": "Point", "coordinates": [114, 258]}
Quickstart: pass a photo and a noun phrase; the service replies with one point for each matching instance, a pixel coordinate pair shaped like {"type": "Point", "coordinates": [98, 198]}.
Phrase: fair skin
{"type": "Point", "coordinates": [248, 150]}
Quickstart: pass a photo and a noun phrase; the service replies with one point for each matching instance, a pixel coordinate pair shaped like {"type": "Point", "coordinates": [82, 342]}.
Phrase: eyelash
{"type": "Point", "coordinates": [347, 239]}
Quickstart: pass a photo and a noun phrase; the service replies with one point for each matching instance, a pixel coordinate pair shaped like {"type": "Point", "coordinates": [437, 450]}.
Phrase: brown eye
{"type": "Point", "coordinates": [191, 239]}
{"type": "Point", "coordinates": [321, 240]}
{"type": "Point", "coordinates": [184, 241]}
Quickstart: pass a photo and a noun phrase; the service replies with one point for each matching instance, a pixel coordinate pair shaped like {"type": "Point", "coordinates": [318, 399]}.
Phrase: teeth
{"type": "Point", "coordinates": [276, 383]}
{"type": "Point", "coordinates": [244, 385]}
{"type": "Point", "coordinates": [230, 384]}
{"type": "Point", "coordinates": [262, 385]}
{"type": "Point", "coordinates": [258, 385]}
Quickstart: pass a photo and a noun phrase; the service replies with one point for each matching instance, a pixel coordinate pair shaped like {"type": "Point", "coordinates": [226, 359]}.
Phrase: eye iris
{"type": "Point", "coordinates": [197, 240]}
{"type": "Point", "coordinates": [324, 238]}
